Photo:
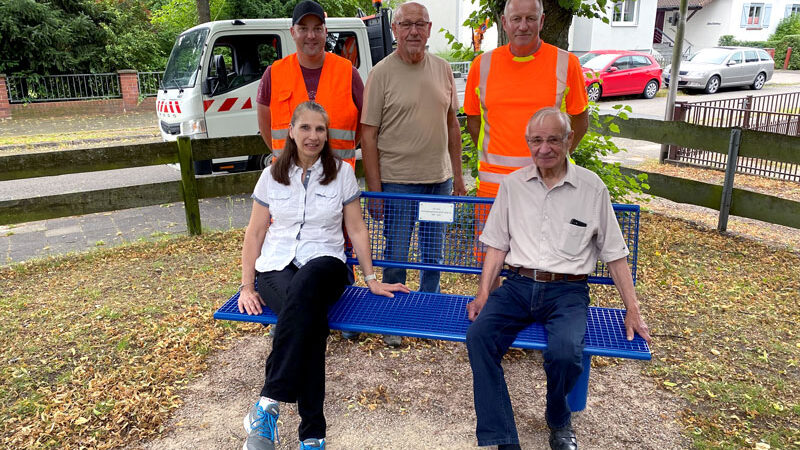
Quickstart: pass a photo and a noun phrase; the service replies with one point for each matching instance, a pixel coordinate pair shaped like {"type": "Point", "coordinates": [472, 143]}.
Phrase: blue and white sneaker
{"type": "Point", "coordinates": [310, 444]}
{"type": "Point", "coordinates": [261, 425]}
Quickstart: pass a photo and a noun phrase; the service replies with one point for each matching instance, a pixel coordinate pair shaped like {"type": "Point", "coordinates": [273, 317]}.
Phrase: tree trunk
{"type": "Point", "coordinates": [203, 11]}
{"type": "Point", "coordinates": [556, 23]}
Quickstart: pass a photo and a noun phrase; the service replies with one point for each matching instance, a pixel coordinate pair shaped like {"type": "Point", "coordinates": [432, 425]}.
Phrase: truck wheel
{"type": "Point", "coordinates": [259, 162]}
{"type": "Point", "coordinates": [202, 167]}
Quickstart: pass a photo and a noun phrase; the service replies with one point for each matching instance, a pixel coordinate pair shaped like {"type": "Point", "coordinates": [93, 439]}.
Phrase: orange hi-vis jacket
{"type": "Point", "coordinates": [334, 93]}
{"type": "Point", "coordinates": [506, 91]}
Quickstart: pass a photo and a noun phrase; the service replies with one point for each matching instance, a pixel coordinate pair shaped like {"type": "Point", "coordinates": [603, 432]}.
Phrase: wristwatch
{"type": "Point", "coordinates": [370, 277]}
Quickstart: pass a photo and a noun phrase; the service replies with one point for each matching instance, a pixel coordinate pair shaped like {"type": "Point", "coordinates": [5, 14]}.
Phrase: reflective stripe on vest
{"type": "Point", "coordinates": [346, 155]}
{"type": "Point", "coordinates": [562, 66]}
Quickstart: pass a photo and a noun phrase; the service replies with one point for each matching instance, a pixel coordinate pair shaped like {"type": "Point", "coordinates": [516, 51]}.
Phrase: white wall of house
{"type": "Point", "coordinates": [745, 20]}
{"type": "Point", "coordinates": [450, 14]}
{"type": "Point", "coordinates": [633, 30]}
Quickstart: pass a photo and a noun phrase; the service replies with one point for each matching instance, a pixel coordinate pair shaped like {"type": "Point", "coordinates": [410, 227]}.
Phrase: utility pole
{"type": "Point", "coordinates": [677, 51]}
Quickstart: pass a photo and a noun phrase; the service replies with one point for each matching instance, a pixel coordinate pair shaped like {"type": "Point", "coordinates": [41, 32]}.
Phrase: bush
{"type": "Point", "coordinates": [781, 48]}
{"type": "Point", "coordinates": [728, 40]}
{"type": "Point", "coordinates": [786, 27]}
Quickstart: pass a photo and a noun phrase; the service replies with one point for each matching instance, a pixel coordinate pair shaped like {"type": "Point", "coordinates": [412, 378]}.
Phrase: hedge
{"type": "Point", "coordinates": [792, 40]}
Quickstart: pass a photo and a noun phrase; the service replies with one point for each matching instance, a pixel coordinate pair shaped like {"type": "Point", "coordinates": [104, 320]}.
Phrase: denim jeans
{"type": "Point", "coordinates": [561, 307]}
{"type": "Point", "coordinates": [398, 225]}
{"type": "Point", "coordinates": [295, 368]}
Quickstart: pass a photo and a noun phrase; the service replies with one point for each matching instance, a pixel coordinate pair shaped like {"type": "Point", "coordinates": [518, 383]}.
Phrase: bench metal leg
{"type": "Point", "coordinates": [576, 399]}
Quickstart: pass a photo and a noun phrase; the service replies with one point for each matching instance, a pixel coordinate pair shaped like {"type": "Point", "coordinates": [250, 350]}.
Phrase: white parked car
{"type": "Point", "coordinates": [713, 68]}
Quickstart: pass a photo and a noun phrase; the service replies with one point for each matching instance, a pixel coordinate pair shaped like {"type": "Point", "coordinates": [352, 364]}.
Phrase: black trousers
{"type": "Point", "coordinates": [295, 369]}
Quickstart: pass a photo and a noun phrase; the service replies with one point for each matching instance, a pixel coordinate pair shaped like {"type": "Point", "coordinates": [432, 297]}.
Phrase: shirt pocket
{"type": "Point", "coordinates": [326, 198]}
{"type": "Point", "coordinates": [573, 240]}
{"type": "Point", "coordinates": [282, 114]}
{"type": "Point", "coordinates": [281, 203]}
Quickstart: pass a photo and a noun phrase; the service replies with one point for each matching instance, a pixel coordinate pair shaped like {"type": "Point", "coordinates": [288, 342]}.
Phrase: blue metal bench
{"type": "Point", "coordinates": [443, 316]}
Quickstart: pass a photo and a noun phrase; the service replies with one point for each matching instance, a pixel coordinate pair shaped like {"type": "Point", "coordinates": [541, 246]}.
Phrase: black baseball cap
{"type": "Point", "coordinates": [305, 8]}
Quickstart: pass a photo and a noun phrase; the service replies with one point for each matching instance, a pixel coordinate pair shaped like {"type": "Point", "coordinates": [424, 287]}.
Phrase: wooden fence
{"type": "Point", "coordinates": [725, 198]}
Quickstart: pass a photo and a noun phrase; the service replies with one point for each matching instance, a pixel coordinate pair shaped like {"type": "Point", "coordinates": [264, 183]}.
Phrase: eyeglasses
{"type": "Point", "coordinates": [405, 26]}
{"type": "Point", "coordinates": [552, 141]}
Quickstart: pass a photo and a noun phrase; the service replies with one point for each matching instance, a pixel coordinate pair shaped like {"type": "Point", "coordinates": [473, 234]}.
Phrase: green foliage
{"type": "Point", "coordinates": [132, 42]}
{"type": "Point", "coordinates": [786, 27]}
{"type": "Point", "coordinates": [38, 37]}
{"type": "Point", "coordinates": [728, 40]}
{"type": "Point", "coordinates": [781, 48]}
{"type": "Point", "coordinates": [597, 144]}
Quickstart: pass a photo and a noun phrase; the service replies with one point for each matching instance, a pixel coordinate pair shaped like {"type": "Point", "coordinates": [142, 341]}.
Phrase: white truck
{"type": "Point", "coordinates": [211, 80]}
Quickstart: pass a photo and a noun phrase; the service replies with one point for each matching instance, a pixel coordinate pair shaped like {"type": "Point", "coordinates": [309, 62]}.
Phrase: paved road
{"type": "Point", "coordinates": [49, 237]}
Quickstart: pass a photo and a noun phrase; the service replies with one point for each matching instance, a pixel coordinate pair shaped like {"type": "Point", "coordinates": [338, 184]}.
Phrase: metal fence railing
{"type": "Point", "coordinates": [461, 66]}
{"type": "Point", "coordinates": [49, 88]}
{"type": "Point", "coordinates": [149, 83]}
{"type": "Point", "coordinates": [776, 113]}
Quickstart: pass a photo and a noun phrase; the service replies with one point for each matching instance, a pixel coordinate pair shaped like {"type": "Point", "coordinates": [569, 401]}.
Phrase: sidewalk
{"type": "Point", "coordinates": [22, 242]}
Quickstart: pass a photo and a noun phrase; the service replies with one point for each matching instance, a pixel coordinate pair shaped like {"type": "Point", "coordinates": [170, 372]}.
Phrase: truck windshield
{"type": "Point", "coordinates": [184, 60]}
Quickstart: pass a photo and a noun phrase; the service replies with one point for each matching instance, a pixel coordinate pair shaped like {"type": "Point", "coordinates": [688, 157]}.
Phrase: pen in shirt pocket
{"type": "Point", "coordinates": [577, 222]}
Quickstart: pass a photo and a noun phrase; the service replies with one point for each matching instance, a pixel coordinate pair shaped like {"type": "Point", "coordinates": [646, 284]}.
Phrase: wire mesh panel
{"type": "Point", "coordinates": [441, 232]}
{"type": "Point", "coordinates": [442, 316]}
{"type": "Point", "coordinates": [776, 113]}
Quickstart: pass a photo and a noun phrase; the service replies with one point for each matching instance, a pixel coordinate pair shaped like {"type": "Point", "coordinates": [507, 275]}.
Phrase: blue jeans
{"type": "Point", "coordinates": [398, 225]}
{"type": "Point", "coordinates": [562, 308]}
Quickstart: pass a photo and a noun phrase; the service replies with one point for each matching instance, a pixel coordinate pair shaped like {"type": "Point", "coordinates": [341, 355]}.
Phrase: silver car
{"type": "Point", "coordinates": [713, 68]}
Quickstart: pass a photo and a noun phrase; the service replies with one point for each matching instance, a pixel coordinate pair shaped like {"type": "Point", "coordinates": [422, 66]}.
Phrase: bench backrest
{"type": "Point", "coordinates": [462, 219]}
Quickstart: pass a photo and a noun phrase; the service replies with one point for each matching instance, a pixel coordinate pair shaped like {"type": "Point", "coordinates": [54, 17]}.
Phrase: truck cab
{"type": "Point", "coordinates": [211, 80]}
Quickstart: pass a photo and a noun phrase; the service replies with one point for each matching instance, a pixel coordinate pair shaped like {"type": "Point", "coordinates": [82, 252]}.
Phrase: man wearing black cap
{"type": "Point", "coordinates": [311, 74]}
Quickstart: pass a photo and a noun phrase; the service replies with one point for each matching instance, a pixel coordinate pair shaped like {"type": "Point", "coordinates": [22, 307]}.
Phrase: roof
{"type": "Point", "coordinates": [675, 4]}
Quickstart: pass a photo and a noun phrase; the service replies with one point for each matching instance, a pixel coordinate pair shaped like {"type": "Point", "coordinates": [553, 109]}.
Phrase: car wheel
{"type": "Point", "coordinates": [594, 91]}
{"type": "Point", "coordinates": [713, 85]}
{"type": "Point", "coordinates": [758, 83]}
{"type": "Point", "coordinates": [650, 89]}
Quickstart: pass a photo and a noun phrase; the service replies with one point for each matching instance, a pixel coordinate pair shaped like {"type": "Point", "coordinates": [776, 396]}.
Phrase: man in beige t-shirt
{"type": "Point", "coordinates": [411, 142]}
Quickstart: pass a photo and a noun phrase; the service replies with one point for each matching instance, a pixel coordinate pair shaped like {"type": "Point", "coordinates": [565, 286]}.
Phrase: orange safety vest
{"type": "Point", "coordinates": [334, 93]}
{"type": "Point", "coordinates": [502, 146]}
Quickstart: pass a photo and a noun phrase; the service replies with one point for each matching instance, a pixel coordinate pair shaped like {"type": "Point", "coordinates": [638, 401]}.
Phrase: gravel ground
{"type": "Point", "coordinates": [419, 397]}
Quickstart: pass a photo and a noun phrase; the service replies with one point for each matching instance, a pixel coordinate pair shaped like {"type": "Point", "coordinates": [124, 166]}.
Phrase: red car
{"type": "Point", "coordinates": [620, 72]}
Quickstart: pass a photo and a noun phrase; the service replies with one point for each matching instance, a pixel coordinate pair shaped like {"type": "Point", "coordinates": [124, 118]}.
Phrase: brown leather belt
{"type": "Point", "coordinates": [545, 277]}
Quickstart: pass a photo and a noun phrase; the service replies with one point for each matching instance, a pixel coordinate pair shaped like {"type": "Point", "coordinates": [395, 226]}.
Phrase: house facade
{"type": "Point", "coordinates": [450, 15]}
{"type": "Point", "coordinates": [630, 27]}
{"type": "Point", "coordinates": [708, 20]}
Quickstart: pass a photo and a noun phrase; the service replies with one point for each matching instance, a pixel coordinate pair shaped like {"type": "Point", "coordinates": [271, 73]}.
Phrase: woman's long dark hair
{"type": "Point", "coordinates": [330, 162]}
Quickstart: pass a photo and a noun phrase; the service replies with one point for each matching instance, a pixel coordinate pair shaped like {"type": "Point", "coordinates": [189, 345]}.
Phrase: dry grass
{"type": "Point", "coordinates": [97, 347]}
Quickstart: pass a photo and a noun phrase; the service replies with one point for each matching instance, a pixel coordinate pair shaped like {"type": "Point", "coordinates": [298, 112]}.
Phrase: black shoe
{"type": "Point", "coordinates": [563, 439]}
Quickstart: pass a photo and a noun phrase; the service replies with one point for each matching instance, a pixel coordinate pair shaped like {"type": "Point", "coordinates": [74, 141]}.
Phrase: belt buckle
{"type": "Point", "coordinates": [545, 279]}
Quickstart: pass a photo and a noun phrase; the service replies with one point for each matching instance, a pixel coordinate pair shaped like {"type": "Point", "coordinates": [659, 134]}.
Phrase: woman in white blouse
{"type": "Point", "coordinates": [294, 246]}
